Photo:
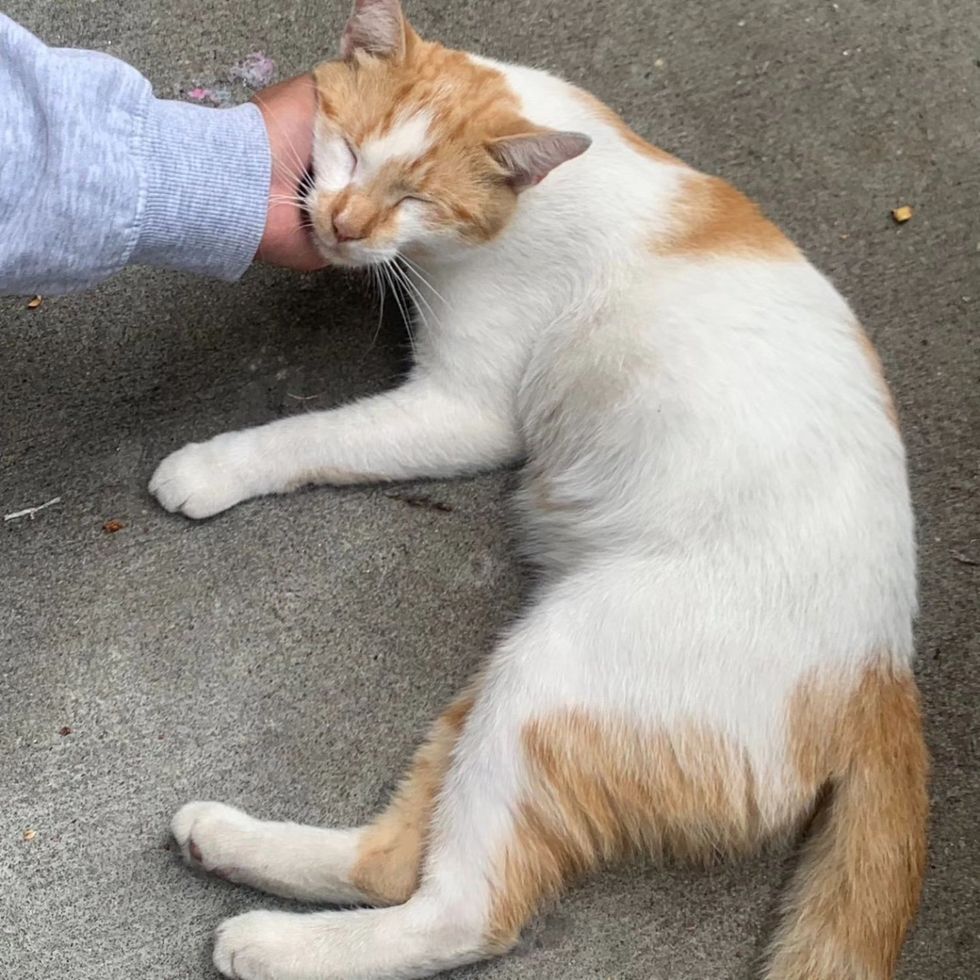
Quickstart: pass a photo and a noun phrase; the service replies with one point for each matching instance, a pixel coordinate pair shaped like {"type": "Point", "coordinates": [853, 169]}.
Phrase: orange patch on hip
{"type": "Point", "coordinates": [601, 791]}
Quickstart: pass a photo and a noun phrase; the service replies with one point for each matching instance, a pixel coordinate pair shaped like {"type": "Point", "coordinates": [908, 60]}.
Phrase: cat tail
{"type": "Point", "coordinates": [857, 887]}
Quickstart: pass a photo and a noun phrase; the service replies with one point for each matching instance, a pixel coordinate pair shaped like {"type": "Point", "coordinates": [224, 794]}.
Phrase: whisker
{"type": "Point", "coordinates": [286, 169]}
{"type": "Point", "coordinates": [286, 199]}
{"type": "Point", "coordinates": [285, 133]}
{"type": "Point", "coordinates": [293, 177]}
{"type": "Point", "coordinates": [419, 300]}
{"type": "Point", "coordinates": [414, 266]}
{"type": "Point", "coordinates": [386, 268]}
{"type": "Point", "coordinates": [376, 277]}
{"type": "Point", "coordinates": [413, 297]}
{"type": "Point", "coordinates": [416, 292]}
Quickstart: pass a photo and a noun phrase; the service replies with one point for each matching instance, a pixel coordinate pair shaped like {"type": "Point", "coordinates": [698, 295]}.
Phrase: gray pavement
{"type": "Point", "coordinates": [287, 655]}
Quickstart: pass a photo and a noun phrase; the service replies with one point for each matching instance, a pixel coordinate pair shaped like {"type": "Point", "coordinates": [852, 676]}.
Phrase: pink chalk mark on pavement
{"type": "Point", "coordinates": [255, 71]}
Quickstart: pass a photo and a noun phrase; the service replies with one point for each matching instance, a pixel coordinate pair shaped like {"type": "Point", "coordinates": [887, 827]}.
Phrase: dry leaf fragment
{"type": "Point", "coordinates": [902, 214]}
{"type": "Point", "coordinates": [29, 834]}
{"type": "Point", "coordinates": [35, 302]}
{"type": "Point", "coordinates": [64, 730]}
{"type": "Point", "coordinates": [110, 527]}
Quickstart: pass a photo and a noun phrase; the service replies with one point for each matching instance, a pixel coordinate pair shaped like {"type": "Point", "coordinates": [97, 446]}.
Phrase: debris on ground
{"type": "Point", "coordinates": [110, 527]}
{"type": "Point", "coordinates": [421, 501]}
{"type": "Point", "coordinates": [257, 70]}
{"type": "Point", "coordinates": [31, 512]}
{"type": "Point", "coordinates": [34, 302]}
{"type": "Point", "coordinates": [964, 559]}
{"type": "Point", "coordinates": [64, 730]}
{"type": "Point", "coordinates": [29, 834]}
{"type": "Point", "coordinates": [902, 214]}
{"type": "Point", "coordinates": [254, 72]}
{"type": "Point", "coordinates": [217, 98]}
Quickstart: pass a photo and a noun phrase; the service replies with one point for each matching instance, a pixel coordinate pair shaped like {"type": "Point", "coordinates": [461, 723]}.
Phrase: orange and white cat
{"type": "Point", "coordinates": [720, 642]}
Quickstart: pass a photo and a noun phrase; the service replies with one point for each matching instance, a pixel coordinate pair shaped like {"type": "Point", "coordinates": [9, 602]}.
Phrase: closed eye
{"type": "Point", "coordinates": [335, 163]}
{"type": "Point", "coordinates": [352, 153]}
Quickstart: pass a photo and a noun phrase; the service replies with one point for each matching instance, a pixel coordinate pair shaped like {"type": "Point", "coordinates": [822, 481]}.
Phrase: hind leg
{"type": "Point", "coordinates": [373, 865]}
{"type": "Point", "coordinates": [543, 782]}
{"type": "Point", "coordinates": [479, 881]}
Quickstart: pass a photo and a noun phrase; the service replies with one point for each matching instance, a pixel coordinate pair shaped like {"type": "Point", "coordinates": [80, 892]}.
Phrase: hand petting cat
{"type": "Point", "coordinates": [289, 110]}
{"type": "Point", "coordinates": [99, 174]}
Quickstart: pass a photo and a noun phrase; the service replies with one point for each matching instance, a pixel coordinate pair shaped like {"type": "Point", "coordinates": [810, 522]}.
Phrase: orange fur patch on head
{"type": "Point", "coordinates": [858, 886]}
{"type": "Point", "coordinates": [467, 104]}
{"type": "Point", "coordinates": [390, 854]}
{"type": "Point", "coordinates": [713, 218]}
{"type": "Point", "coordinates": [601, 791]}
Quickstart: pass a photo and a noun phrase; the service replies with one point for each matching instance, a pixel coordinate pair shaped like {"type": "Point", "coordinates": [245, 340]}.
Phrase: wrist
{"type": "Point", "coordinates": [289, 111]}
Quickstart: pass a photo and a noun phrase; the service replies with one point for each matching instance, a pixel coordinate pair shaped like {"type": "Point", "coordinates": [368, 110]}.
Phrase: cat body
{"type": "Point", "coordinates": [715, 496]}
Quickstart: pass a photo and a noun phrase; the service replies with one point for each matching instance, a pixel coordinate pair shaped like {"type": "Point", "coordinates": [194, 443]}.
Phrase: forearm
{"type": "Point", "coordinates": [95, 173]}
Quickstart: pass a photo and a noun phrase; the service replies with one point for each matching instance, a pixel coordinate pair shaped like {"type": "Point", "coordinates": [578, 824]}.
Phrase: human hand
{"type": "Point", "coordinates": [289, 111]}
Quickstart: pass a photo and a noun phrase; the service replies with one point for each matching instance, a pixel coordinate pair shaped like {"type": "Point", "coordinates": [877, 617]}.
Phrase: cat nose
{"type": "Point", "coordinates": [344, 230]}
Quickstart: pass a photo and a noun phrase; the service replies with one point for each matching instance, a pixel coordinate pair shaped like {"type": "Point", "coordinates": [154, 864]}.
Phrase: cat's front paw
{"type": "Point", "coordinates": [204, 478]}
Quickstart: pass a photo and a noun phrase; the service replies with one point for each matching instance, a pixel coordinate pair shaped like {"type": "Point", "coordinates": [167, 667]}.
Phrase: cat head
{"type": "Point", "coordinates": [418, 149]}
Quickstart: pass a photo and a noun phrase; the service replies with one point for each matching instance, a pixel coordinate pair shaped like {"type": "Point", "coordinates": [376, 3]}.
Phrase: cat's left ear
{"type": "Point", "coordinates": [529, 158]}
{"type": "Point", "coordinates": [376, 27]}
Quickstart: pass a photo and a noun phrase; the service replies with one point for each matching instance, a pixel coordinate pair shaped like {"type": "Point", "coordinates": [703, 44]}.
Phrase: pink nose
{"type": "Point", "coordinates": [344, 231]}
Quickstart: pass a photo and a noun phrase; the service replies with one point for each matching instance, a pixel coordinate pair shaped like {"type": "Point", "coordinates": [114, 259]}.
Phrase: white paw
{"type": "Point", "coordinates": [204, 478]}
{"type": "Point", "coordinates": [223, 840]}
{"type": "Point", "coordinates": [264, 946]}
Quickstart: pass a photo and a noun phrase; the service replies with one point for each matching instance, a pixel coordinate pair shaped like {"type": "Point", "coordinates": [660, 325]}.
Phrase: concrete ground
{"type": "Point", "coordinates": [287, 656]}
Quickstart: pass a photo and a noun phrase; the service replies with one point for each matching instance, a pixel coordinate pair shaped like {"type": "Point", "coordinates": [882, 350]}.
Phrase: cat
{"type": "Point", "coordinates": [719, 642]}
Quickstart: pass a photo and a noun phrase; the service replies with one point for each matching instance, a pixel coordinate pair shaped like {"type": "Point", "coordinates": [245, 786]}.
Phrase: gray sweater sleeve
{"type": "Point", "coordinates": [95, 173]}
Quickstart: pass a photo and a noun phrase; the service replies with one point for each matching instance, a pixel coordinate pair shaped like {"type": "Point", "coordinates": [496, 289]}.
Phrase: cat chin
{"type": "Point", "coordinates": [340, 257]}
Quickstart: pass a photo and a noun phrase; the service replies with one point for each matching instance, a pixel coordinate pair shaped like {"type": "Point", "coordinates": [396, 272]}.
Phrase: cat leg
{"type": "Point", "coordinates": [377, 864]}
{"type": "Point", "coordinates": [558, 768]}
{"type": "Point", "coordinates": [417, 430]}
{"type": "Point", "coordinates": [296, 861]}
{"type": "Point", "coordinates": [473, 897]}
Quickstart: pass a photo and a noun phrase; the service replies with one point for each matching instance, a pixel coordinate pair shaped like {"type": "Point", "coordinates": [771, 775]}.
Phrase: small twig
{"type": "Point", "coordinates": [426, 502]}
{"type": "Point", "coordinates": [964, 559]}
{"type": "Point", "coordinates": [30, 512]}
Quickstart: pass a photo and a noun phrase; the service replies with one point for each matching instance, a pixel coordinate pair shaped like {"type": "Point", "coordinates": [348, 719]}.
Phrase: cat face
{"type": "Point", "coordinates": [418, 149]}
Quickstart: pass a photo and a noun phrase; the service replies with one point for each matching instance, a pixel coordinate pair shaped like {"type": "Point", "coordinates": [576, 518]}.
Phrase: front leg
{"type": "Point", "coordinates": [418, 430]}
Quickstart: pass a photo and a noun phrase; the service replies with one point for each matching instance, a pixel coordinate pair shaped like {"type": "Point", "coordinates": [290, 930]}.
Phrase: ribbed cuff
{"type": "Point", "coordinates": [206, 188]}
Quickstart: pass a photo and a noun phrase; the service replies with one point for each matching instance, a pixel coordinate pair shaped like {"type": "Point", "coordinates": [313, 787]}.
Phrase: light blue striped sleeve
{"type": "Point", "coordinates": [97, 174]}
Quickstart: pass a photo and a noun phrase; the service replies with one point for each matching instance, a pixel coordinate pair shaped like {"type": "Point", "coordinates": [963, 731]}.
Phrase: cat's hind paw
{"type": "Point", "coordinates": [269, 946]}
{"type": "Point", "coordinates": [218, 838]}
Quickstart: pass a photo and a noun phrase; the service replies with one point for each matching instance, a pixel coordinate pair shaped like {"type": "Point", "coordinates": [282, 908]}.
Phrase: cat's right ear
{"type": "Point", "coordinates": [528, 158]}
{"type": "Point", "coordinates": [376, 27]}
